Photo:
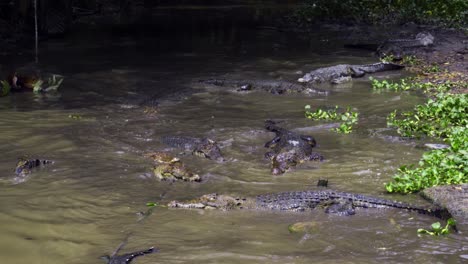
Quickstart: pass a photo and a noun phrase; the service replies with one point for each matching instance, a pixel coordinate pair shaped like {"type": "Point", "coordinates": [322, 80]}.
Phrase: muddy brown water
{"type": "Point", "coordinates": [85, 204]}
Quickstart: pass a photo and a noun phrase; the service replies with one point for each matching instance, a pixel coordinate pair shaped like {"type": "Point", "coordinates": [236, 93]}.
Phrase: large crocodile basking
{"type": "Point", "coordinates": [202, 147]}
{"type": "Point", "coordinates": [288, 148]}
{"type": "Point", "coordinates": [397, 48]}
{"type": "Point", "coordinates": [271, 86]}
{"type": "Point", "coordinates": [341, 203]}
{"type": "Point", "coordinates": [345, 72]}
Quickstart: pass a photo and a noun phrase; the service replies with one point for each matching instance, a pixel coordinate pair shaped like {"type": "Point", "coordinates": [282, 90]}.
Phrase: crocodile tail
{"type": "Point", "coordinates": [435, 211]}
{"type": "Point", "coordinates": [130, 256]}
{"type": "Point", "coordinates": [380, 67]}
{"type": "Point", "coordinates": [438, 212]}
{"type": "Point", "coordinates": [215, 82]}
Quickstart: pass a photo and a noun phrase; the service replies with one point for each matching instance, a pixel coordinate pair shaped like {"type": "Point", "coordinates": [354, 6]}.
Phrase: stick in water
{"type": "Point", "coordinates": [36, 31]}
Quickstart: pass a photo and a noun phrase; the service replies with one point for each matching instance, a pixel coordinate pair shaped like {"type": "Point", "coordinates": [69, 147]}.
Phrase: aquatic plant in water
{"type": "Point", "coordinates": [437, 229]}
{"type": "Point", "coordinates": [435, 118]}
{"type": "Point", "coordinates": [349, 118]}
{"type": "Point", "coordinates": [4, 88]}
{"type": "Point", "coordinates": [436, 167]}
{"type": "Point", "coordinates": [444, 116]}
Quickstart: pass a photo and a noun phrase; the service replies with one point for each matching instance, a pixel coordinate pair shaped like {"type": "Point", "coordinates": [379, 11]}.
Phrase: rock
{"type": "Point", "coordinates": [436, 146]}
{"type": "Point", "coordinates": [452, 197]}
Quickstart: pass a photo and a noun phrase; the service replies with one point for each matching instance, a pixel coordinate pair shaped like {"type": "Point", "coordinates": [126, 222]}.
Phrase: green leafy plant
{"type": "Point", "coordinates": [436, 167]}
{"type": "Point", "coordinates": [37, 86]}
{"type": "Point", "coordinates": [386, 85]}
{"type": "Point", "coordinates": [434, 68]}
{"type": "Point", "coordinates": [53, 83]}
{"type": "Point", "coordinates": [348, 118]}
{"type": "Point", "coordinates": [152, 204]}
{"type": "Point", "coordinates": [437, 229]}
{"type": "Point", "coordinates": [5, 88]}
{"type": "Point", "coordinates": [450, 13]}
{"type": "Point", "coordinates": [435, 118]}
{"type": "Point", "coordinates": [408, 84]}
{"type": "Point", "coordinates": [410, 60]}
{"type": "Point", "coordinates": [389, 58]}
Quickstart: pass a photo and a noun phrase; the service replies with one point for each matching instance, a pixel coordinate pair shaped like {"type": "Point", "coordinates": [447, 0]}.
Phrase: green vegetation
{"type": "Point", "coordinates": [53, 83]}
{"type": "Point", "coordinates": [408, 84]}
{"type": "Point", "coordinates": [436, 167]}
{"type": "Point", "coordinates": [5, 88]}
{"type": "Point", "coordinates": [437, 229]}
{"type": "Point", "coordinates": [390, 86]}
{"type": "Point", "coordinates": [445, 116]}
{"type": "Point", "coordinates": [450, 13]}
{"type": "Point", "coordinates": [435, 118]}
{"type": "Point", "coordinates": [349, 118]}
{"type": "Point", "coordinates": [410, 60]}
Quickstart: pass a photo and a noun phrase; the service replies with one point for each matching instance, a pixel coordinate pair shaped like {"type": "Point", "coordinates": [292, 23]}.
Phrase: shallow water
{"type": "Point", "coordinates": [85, 204]}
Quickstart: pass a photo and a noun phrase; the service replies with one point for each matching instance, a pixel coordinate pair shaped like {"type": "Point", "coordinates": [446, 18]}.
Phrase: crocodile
{"type": "Point", "coordinates": [399, 47]}
{"type": "Point", "coordinates": [201, 147]}
{"type": "Point", "coordinates": [24, 165]}
{"type": "Point", "coordinates": [272, 86]}
{"type": "Point", "coordinates": [345, 72]}
{"type": "Point", "coordinates": [288, 148]}
{"type": "Point", "coordinates": [341, 203]}
{"type": "Point", "coordinates": [171, 168]}
{"type": "Point", "coordinates": [128, 257]}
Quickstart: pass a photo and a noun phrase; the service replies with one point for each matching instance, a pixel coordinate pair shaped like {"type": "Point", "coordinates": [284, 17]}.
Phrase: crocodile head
{"type": "Point", "coordinates": [174, 171]}
{"type": "Point", "coordinates": [425, 38]}
{"type": "Point", "coordinates": [284, 161]}
{"type": "Point", "coordinates": [308, 78]}
{"type": "Point", "coordinates": [209, 149]}
{"type": "Point", "coordinates": [22, 167]}
{"type": "Point", "coordinates": [162, 157]}
{"type": "Point", "coordinates": [211, 201]}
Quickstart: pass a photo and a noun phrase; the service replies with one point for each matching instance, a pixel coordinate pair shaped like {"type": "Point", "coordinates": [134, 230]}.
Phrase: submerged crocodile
{"type": "Point", "coordinates": [341, 203]}
{"type": "Point", "coordinates": [288, 148]}
{"type": "Point", "coordinates": [171, 168]}
{"type": "Point", "coordinates": [271, 86]}
{"type": "Point", "coordinates": [24, 165]}
{"type": "Point", "coordinates": [128, 257]}
{"type": "Point", "coordinates": [398, 47]}
{"type": "Point", "coordinates": [202, 147]}
{"type": "Point", "coordinates": [345, 72]}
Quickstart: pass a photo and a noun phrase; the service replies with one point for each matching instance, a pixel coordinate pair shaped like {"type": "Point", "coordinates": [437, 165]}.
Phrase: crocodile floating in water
{"type": "Point", "coordinates": [171, 168]}
{"type": "Point", "coordinates": [397, 48]}
{"type": "Point", "coordinates": [202, 147]}
{"type": "Point", "coordinates": [128, 257]}
{"type": "Point", "coordinates": [271, 86]}
{"type": "Point", "coordinates": [345, 72]}
{"type": "Point", "coordinates": [24, 165]}
{"type": "Point", "coordinates": [335, 202]}
{"type": "Point", "coordinates": [288, 148]}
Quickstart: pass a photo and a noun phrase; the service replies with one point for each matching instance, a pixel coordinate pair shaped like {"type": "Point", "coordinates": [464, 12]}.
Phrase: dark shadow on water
{"type": "Point", "coordinates": [104, 60]}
